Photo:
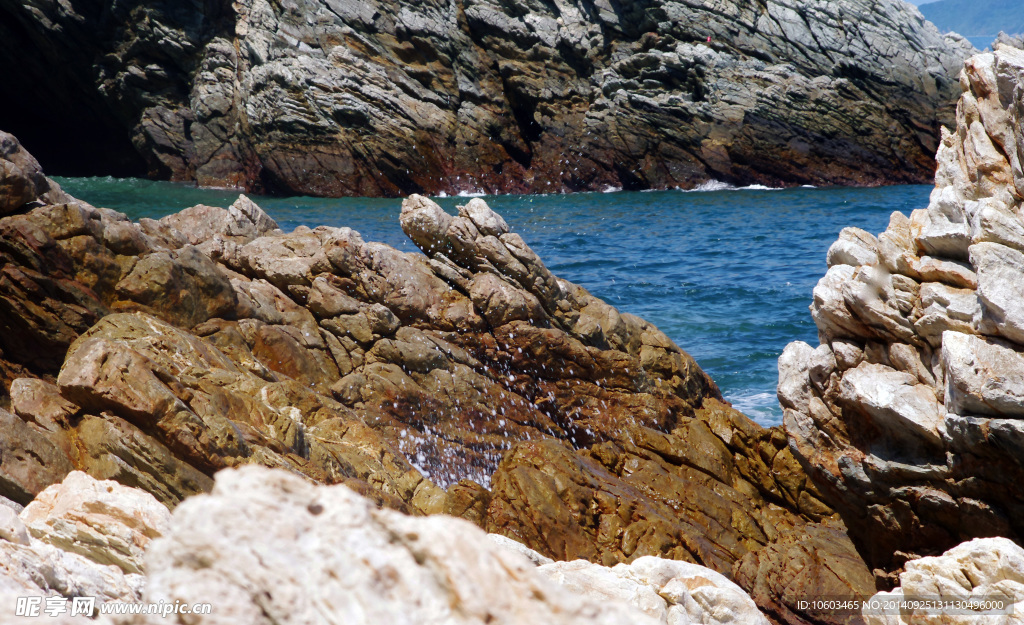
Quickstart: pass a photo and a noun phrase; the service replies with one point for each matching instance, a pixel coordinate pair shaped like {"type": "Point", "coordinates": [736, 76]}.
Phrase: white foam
{"type": "Point", "coordinates": [758, 406]}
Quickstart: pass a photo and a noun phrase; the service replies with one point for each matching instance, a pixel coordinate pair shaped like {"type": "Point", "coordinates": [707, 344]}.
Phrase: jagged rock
{"type": "Point", "coordinates": [21, 178]}
{"type": "Point", "coordinates": [985, 570]}
{"type": "Point", "coordinates": [29, 461]}
{"type": "Point", "coordinates": [470, 381]}
{"type": "Point", "coordinates": [267, 547]}
{"type": "Point", "coordinates": [39, 569]}
{"type": "Point", "coordinates": [103, 521]}
{"type": "Point", "coordinates": [982, 378]}
{"type": "Point", "coordinates": [913, 437]}
{"type": "Point", "coordinates": [468, 96]}
{"type": "Point", "coordinates": [665, 590]}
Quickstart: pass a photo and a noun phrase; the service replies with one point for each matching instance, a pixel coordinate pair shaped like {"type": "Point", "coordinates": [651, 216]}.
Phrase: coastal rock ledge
{"type": "Point", "coordinates": [910, 414]}
{"type": "Point", "coordinates": [467, 380]}
{"type": "Point", "coordinates": [389, 98]}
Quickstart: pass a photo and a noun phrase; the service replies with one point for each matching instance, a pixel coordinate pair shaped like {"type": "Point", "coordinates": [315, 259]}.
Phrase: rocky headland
{"type": "Point", "coordinates": [908, 414]}
{"type": "Point", "coordinates": [336, 97]}
{"type": "Point", "coordinates": [467, 380]}
{"type": "Point", "coordinates": [205, 408]}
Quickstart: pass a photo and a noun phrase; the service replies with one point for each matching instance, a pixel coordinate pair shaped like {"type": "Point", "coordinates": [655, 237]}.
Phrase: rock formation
{"type": "Point", "coordinates": [80, 538]}
{"type": "Point", "coordinates": [267, 546]}
{"type": "Point", "coordinates": [908, 415]}
{"type": "Point", "coordinates": [469, 380]}
{"type": "Point", "coordinates": [387, 98]}
{"type": "Point", "coordinates": [985, 570]}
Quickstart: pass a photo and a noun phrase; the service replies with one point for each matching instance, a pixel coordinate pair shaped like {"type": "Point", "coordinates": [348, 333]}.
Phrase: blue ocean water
{"type": "Point", "coordinates": [726, 273]}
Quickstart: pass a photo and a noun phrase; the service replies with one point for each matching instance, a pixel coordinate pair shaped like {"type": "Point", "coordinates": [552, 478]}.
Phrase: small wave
{"type": "Point", "coordinates": [718, 185]}
{"type": "Point", "coordinates": [471, 194]}
{"type": "Point", "coordinates": [711, 185]}
{"type": "Point", "coordinates": [761, 407]}
{"type": "Point", "coordinates": [611, 189]}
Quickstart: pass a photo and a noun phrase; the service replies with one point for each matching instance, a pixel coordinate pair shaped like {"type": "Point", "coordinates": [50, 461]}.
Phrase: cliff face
{"type": "Point", "coordinates": [909, 413]}
{"type": "Point", "coordinates": [333, 97]}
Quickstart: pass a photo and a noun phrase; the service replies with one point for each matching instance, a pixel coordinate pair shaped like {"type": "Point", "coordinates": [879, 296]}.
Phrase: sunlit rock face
{"type": "Point", "coordinates": [381, 97]}
{"type": "Point", "coordinates": [468, 380]}
{"type": "Point", "coordinates": [979, 580]}
{"type": "Point", "coordinates": [268, 547]}
{"type": "Point", "coordinates": [909, 414]}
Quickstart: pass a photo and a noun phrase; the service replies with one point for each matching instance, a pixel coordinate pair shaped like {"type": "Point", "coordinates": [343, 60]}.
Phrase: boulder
{"type": "Point", "coordinates": [101, 520]}
{"type": "Point", "coordinates": [266, 546]}
{"type": "Point", "coordinates": [29, 460]}
{"type": "Point", "coordinates": [979, 580]}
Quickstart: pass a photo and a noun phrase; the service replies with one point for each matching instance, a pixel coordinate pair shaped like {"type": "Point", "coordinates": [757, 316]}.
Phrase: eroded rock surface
{"type": "Point", "coordinates": [269, 547]}
{"type": "Point", "coordinates": [467, 380]}
{"type": "Point", "coordinates": [387, 98]}
{"type": "Point", "coordinates": [988, 572]}
{"type": "Point", "coordinates": [908, 415]}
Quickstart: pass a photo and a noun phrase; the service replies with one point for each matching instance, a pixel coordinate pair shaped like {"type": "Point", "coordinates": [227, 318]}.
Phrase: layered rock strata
{"type": "Point", "coordinates": [909, 414]}
{"type": "Point", "coordinates": [386, 98]}
{"type": "Point", "coordinates": [468, 380]}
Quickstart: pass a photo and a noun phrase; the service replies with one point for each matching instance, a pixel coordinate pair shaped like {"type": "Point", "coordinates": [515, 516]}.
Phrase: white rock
{"type": "Point", "coordinates": [853, 247]}
{"type": "Point", "coordinates": [268, 547]}
{"type": "Point", "coordinates": [982, 378]}
{"type": "Point", "coordinates": [983, 569]}
{"type": "Point", "coordinates": [520, 548]}
{"type": "Point", "coordinates": [1000, 287]}
{"type": "Point", "coordinates": [794, 388]}
{"type": "Point", "coordinates": [942, 230]}
{"type": "Point", "coordinates": [674, 592]}
{"type": "Point", "coordinates": [829, 310]}
{"type": "Point", "coordinates": [40, 569]}
{"type": "Point", "coordinates": [11, 527]}
{"type": "Point", "coordinates": [101, 520]}
{"type": "Point", "coordinates": [895, 402]}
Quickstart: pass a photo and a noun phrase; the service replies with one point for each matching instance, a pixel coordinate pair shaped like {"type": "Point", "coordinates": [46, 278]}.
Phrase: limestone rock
{"type": "Point", "coordinates": [101, 520]}
{"type": "Point", "coordinates": [986, 570]}
{"type": "Point", "coordinates": [667, 590]}
{"type": "Point", "coordinates": [982, 378]}
{"type": "Point", "coordinates": [274, 548]}
{"type": "Point", "coordinates": [914, 437]}
{"type": "Point", "coordinates": [12, 529]}
{"type": "Point", "coordinates": [39, 569]}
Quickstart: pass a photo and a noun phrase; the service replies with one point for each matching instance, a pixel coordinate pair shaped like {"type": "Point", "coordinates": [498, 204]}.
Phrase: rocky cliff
{"type": "Point", "coordinates": [468, 380]}
{"type": "Point", "coordinates": [908, 415]}
{"type": "Point", "coordinates": [334, 97]}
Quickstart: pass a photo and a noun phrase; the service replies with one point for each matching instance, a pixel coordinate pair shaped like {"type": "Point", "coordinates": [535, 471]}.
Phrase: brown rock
{"type": "Point", "coordinates": [29, 460]}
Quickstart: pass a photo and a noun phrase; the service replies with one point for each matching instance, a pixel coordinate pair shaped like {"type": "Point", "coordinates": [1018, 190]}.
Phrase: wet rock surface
{"type": "Point", "coordinates": [387, 98]}
{"type": "Point", "coordinates": [467, 380]}
{"type": "Point", "coordinates": [907, 416]}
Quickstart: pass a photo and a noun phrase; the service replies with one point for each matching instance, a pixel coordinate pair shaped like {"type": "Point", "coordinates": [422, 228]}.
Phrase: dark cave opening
{"type": "Point", "coordinates": [53, 107]}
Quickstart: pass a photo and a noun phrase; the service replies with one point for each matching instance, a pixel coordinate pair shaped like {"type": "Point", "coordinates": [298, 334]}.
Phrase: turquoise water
{"type": "Point", "coordinates": [727, 274]}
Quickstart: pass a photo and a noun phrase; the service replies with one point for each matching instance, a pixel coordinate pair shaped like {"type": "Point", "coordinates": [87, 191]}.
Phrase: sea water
{"type": "Point", "coordinates": [726, 273]}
